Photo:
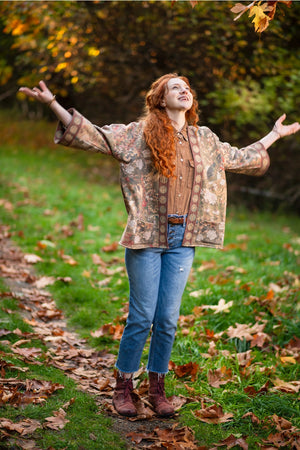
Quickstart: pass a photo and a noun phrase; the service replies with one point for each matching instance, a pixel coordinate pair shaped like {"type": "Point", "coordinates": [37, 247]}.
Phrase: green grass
{"type": "Point", "coordinates": [51, 188]}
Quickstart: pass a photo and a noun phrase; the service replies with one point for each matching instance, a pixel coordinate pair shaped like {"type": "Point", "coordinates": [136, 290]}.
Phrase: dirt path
{"type": "Point", "coordinates": [92, 370]}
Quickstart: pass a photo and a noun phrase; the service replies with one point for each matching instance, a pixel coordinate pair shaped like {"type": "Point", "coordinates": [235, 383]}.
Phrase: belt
{"type": "Point", "coordinates": [176, 220]}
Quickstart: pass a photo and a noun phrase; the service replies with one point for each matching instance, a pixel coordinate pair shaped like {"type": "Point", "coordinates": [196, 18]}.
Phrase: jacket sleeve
{"type": "Point", "coordinates": [251, 160]}
{"type": "Point", "coordinates": [118, 140]}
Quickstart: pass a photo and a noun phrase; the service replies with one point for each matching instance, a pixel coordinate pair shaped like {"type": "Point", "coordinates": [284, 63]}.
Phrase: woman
{"type": "Point", "coordinates": [172, 176]}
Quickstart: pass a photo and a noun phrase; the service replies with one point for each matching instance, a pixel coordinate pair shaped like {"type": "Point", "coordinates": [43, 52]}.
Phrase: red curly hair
{"type": "Point", "coordinates": [158, 129]}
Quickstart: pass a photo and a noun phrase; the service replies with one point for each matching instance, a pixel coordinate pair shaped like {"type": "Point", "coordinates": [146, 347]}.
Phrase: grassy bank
{"type": "Point", "coordinates": [239, 326]}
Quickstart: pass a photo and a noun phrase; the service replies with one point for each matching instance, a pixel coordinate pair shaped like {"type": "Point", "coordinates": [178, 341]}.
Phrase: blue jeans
{"type": "Point", "coordinates": [157, 278]}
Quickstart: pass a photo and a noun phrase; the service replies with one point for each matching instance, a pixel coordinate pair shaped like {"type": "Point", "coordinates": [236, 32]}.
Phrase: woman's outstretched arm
{"type": "Point", "coordinates": [279, 130]}
{"type": "Point", "coordinates": [44, 95]}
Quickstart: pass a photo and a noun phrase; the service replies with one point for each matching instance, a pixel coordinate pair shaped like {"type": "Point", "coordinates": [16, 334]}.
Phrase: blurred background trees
{"type": "Point", "coordinates": [101, 58]}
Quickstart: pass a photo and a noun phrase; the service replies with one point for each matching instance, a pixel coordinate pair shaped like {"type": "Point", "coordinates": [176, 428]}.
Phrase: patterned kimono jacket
{"type": "Point", "coordinates": [145, 192]}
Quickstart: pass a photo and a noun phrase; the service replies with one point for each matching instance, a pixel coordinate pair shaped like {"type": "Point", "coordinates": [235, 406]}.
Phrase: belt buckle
{"type": "Point", "coordinates": [176, 220]}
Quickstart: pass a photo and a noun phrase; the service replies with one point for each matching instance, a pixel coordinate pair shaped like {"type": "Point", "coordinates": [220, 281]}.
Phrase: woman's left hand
{"type": "Point", "coordinates": [285, 130]}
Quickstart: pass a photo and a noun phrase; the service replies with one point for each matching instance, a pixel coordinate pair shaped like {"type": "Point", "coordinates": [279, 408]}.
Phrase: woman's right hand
{"type": "Point", "coordinates": [42, 94]}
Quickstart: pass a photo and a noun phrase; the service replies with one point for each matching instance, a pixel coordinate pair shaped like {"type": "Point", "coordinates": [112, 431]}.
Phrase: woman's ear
{"type": "Point", "coordinates": [163, 103]}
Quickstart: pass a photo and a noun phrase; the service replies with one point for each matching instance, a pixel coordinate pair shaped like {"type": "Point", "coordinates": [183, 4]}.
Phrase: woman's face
{"type": "Point", "coordinates": [177, 96]}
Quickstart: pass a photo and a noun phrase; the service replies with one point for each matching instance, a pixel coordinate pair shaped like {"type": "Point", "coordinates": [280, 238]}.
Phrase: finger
{"type": "Point", "coordinates": [28, 91]}
{"type": "Point", "coordinates": [43, 85]}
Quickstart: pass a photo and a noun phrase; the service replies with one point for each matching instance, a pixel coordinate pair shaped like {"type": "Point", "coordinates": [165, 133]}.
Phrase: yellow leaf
{"type": "Point", "coordinates": [288, 359]}
{"type": "Point", "coordinates": [86, 273]}
{"type": "Point", "coordinates": [261, 20]}
{"type": "Point", "coordinates": [60, 66]}
{"type": "Point", "coordinates": [93, 51]}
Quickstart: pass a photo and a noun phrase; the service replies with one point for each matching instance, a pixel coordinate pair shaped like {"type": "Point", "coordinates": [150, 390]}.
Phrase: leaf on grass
{"type": "Point", "coordinates": [213, 414]}
{"type": "Point", "coordinates": [244, 358]}
{"type": "Point", "coordinates": [24, 427]}
{"type": "Point", "coordinates": [44, 281]}
{"type": "Point", "coordinates": [45, 243]}
{"type": "Point", "coordinates": [207, 265]}
{"type": "Point", "coordinates": [218, 377]}
{"type": "Point", "coordinates": [110, 248]}
{"type": "Point", "coordinates": [32, 259]}
{"type": "Point", "coordinates": [57, 421]}
{"type": "Point", "coordinates": [232, 441]}
{"type": "Point", "coordinates": [98, 260]}
{"type": "Point", "coordinates": [283, 386]}
{"type": "Point", "coordinates": [253, 417]}
{"type": "Point", "coordinates": [222, 306]}
{"type": "Point", "coordinates": [288, 360]}
{"type": "Point", "coordinates": [86, 274]}
{"type": "Point", "coordinates": [28, 353]}
{"type": "Point", "coordinates": [252, 392]}
{"type": "Point", "coordinates": [189, 369]}
{"type": "Point", "coordinates": [169, 437]}
{"type": "Point", "coordinates": [114, 331]}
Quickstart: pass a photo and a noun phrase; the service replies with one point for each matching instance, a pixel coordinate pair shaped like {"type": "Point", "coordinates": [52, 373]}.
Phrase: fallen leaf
{"type": "Point", "coordinates": [32, 259]}
{"type": "Point", "coordinates": [288, 360]}
{"type": "Point", "coordinates": [290, 387]}
{"type": "Point", "coordinates": [58, 421]}
{"type": "Point", "coordinates": [44, 281]}
{"type": "Point", "coordinates": [232, 441]}
{"type": "Point", "coordinates": [222, 306]}
{"type": "Point", "coordinates": [111, 247]}
{"type": "Point", "coordinates": [23, 427]}
{"type": "Point", "coordinates": [190, 368]}
{"type": "Point", "coordinates": [213, 414]}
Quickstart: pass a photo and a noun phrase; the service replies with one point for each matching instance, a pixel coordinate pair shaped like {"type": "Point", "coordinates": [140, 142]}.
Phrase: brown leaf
{"type": "Point", "coordinates": [290, 387]}
{"type": "Point", "coordinates": [218, 377]}
{"type": "Point", "coordinates": [24, 427]}
{"type": "Point", "coordinates": [58, 421]}
{"type": "Point", "coordinates": [98, 260]}
{"type": "Point", "coordinates": [213, 414]}
{"type": "Point", "coordinates": [190, 368]}
{"type": "Point", "coordinates": [28, 353]}
{"type": "Point", "coordinates": [43, 282]}
{"type": "Point", "coordinates": [207, 265]}
{"type": "Point", "coordinates": [111, 247]}
{"type": "Point", "coordinates": [114, 331]}
{"type": "Point", "coordinates": [254, 418]}
{"type": "Point", "coordinates": [252, 392]}
{"type": "Point", "coordinates": [32, 259]}
{"type": "Point", "coordinates": [232, 441]}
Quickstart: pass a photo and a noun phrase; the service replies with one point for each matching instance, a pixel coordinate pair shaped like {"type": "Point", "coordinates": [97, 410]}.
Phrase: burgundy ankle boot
{"type": "Point", "coordinates": [122, 400]}
{"type": "Point", "coordinates": [157, 396]}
